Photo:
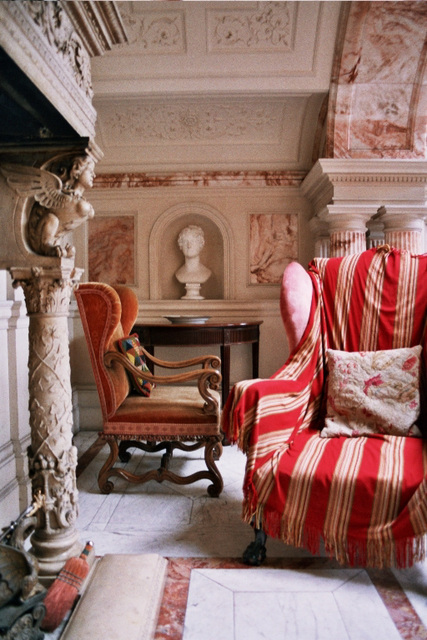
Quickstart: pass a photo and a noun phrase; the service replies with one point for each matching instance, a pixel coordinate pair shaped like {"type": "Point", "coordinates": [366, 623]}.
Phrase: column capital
{"type": "Point", "coordinates": [340, 217]}
{"type": "Point", "coordinates": [402, 218]}
{"type": "Point", "coordinates": [47, 289]}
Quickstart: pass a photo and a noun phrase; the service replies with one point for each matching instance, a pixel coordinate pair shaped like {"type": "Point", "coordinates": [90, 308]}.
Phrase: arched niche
{"type": "Point", "coordinates": [166, 257]}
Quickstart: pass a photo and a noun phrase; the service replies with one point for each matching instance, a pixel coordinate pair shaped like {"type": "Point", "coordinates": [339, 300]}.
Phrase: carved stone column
{"type": "Point", "coordinates": [319, 229]}
{"type": "Point", "coordinates": [347, 231]}
{"type": "Point", "coordinates": [404, 227]}
{"type": "Point", "coordinates": [52, 457]}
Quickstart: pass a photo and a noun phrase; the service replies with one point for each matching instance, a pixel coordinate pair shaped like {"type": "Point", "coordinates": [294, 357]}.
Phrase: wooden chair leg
{"type": "Point", "coordinates": [105, 485]}
{"type": "Point", "coordinates": [213, 451]}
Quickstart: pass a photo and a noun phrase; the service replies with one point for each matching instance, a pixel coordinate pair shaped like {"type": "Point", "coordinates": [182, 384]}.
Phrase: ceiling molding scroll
{"type": "Point", "coordinates": [215, 86]}
{"type": "Point", "coordinates": [154, 32]}
{"type": "Point", "coordinates": [271, 27]}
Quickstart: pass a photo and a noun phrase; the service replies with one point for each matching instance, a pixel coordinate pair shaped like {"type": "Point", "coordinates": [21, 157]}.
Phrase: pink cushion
{"type": "Point", "coordinates": [295, 302]}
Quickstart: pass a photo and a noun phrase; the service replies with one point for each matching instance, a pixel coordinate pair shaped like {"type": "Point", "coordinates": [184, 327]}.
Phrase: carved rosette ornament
{"type": "Point", "coordinates": [52, 456]}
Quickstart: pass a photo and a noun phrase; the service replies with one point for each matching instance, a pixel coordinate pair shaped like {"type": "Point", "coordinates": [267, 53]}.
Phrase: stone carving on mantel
{"type": "Point", "coordinates": [192, 273]}
{"type": "Point", "coordinates": [60, 206]}
{"type": "Point", "coordinates": [61, 35]}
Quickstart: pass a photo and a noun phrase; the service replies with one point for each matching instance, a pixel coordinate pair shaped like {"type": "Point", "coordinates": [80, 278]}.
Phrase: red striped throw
{"type": "Point", "coordinates": [365, 497]}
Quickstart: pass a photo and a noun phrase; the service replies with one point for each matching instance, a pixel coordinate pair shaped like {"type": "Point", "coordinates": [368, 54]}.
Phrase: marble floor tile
{"type": "Point", "coordinates": [209, 592]}
{"type": "Point", "coordinates": [276, 604]}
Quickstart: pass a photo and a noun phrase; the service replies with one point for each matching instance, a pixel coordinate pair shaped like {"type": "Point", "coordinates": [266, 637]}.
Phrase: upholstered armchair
{"type": "Point", "coordinates": [336, 439]}
{"type": "Point", "coordinates": [142, 410]}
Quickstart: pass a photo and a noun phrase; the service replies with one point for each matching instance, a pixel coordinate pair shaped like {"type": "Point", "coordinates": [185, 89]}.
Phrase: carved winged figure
{"type": "Point", "coordinates": [59, 208]}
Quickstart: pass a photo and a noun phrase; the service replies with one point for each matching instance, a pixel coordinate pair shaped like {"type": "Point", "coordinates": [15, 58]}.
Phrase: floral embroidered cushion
{"type": "Point", "coordinates": [373, 392]}
{"type": "Point", "coordinates": [131, 347]}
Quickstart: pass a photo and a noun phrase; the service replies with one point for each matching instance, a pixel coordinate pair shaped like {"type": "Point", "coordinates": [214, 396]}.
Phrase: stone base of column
{"type": "Point", "coordinates": [53, 550]}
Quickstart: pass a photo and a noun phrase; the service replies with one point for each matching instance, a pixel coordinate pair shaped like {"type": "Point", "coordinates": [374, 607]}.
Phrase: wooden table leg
{"type": "Point", "coordinates": [225, 371]}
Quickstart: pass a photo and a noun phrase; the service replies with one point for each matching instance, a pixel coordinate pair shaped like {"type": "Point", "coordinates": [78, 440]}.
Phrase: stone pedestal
{"type": "Point", "coordinates": [52, 457]}
{"type": "Point", "coordinates": [192, 291]}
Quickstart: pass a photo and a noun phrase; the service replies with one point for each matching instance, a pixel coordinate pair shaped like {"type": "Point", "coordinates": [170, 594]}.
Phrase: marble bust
{"type": "Point", "coordinates": [192, 273]}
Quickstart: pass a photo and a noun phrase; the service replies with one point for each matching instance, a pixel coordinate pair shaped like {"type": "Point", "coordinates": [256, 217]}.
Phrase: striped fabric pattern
{"type": "Point", "coordinates": [364, 498]}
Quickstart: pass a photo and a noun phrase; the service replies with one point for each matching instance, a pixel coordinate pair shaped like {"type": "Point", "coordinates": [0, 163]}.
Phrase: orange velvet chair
{"type": "Point", "coordinates": [173, 416]}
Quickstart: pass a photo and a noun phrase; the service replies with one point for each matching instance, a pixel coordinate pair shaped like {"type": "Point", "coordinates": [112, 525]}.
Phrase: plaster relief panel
{"type": "Point", "coordinates": [269, 27]}
{"type": "Point", "coordinates": [198, 134]}
{"type": "Point", "coordinates": [152, 122]}
{"type": "Point", "coordinates": [111, 250]}
{"type": "Point", "coordinates": [273, 244]}
{"type": "Point", "coordinates": [152, 32]}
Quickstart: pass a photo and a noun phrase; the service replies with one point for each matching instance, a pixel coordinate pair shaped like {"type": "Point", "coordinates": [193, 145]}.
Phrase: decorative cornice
{"type": "Point", "coordinates": [370, 170]}
{"type": "Point", "coordinates": [200, 179]}
{"type": "Point", "coordinates": [341, 179]}
{"type": "Point", "coordinates": [98, 23]}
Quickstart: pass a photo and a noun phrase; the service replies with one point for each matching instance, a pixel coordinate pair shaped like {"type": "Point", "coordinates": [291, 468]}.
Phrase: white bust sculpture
{"type": "Point", "coordinates": [193, 273]}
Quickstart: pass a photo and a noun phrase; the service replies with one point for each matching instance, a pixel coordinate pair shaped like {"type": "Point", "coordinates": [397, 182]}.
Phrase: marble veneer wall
{"type": "Point", "coordinates": [254, 225]}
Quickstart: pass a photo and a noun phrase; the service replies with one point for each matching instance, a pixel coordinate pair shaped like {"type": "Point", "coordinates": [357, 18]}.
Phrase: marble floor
{"type": "Point", "coordinates": [209, 593]}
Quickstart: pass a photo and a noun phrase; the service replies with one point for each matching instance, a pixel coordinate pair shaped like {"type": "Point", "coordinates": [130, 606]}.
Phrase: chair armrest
{"type": "Point", "coordinates": [208, 361]}
{"type": "Point", "coordinates": [208, 378]}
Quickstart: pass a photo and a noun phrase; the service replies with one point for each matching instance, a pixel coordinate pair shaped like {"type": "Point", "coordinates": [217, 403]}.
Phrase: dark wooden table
{"type": "Point", "coordinates": [189, 334]}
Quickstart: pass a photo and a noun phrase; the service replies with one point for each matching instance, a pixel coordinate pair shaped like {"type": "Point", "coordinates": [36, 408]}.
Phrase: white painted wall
{"type": "Point", "coordinates": [14, 414]}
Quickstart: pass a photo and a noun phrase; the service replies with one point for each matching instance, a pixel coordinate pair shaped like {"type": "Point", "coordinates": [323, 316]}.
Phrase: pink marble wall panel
{"type": "Point", "coordinates": [273, 244]}
{"type": "Point", "coordinates": [378, 89]}
{"type": "Point", "coordinates": [111, 250]}
{"type": "Point", "coordinates": [200, 179]}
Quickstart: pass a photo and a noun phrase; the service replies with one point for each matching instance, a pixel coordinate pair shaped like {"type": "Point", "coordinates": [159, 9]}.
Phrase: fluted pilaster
{"type": "Point", "coordinates": [404, 227]}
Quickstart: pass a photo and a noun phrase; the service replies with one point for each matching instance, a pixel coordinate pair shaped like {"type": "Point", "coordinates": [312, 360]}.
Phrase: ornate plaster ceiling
{"type": "Point", "coordinates": [215, 85]}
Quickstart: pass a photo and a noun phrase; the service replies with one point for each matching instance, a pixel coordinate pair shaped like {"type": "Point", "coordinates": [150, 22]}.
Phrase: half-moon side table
{"type": "Point", "coordinates": [192, 335]}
